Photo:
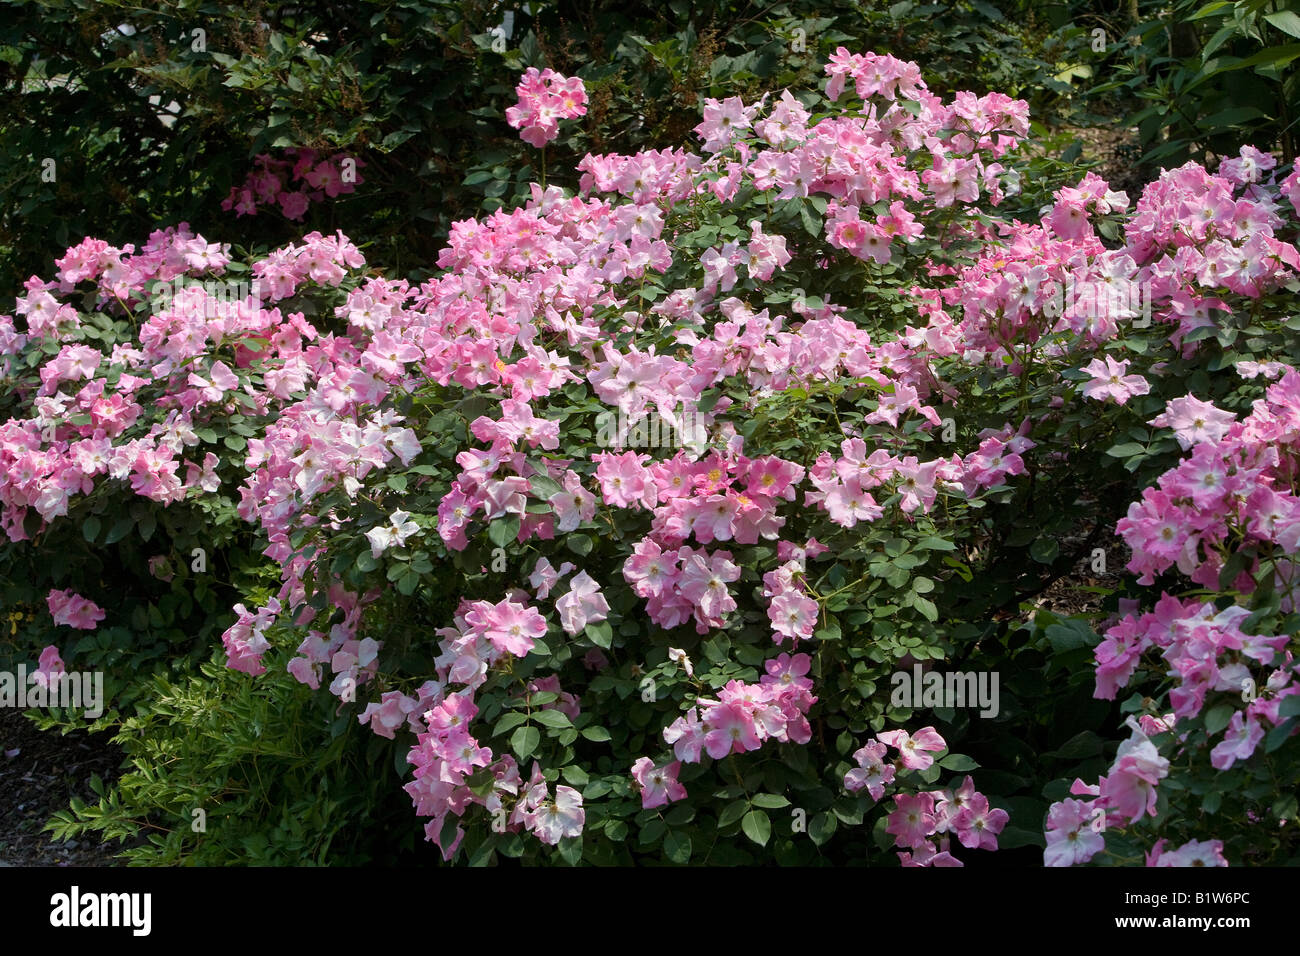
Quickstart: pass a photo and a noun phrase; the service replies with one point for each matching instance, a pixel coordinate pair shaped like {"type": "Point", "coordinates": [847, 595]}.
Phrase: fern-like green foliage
{"type": "Point", "coordinates": [227, 770]}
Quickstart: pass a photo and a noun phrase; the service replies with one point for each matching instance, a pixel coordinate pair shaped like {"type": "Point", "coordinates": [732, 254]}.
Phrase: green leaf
{"type": "Point", "coordinates": [553, 719]}
{"type": "Point", "coordinates": [757, 827]}
{"type": "Point", "coordinates": [811, 223]}
{"type": "Point", "coordinates": [504, 530]}
{"type": "Point", "coordinates": [1236, 116]}
{"type": "Point", "coordinates": [1210, 9]}
{"type": "Point", "coordinates": [1278, 735]}
{"type": "Point", "coordinates": [570, 850]}
{"type": "Point", "coordinates": [731, 813]}
{"type": "Point", "coordinates": [544, 487]}
{"type": "Point", "coordinates": [121, 528]}
{"type": "Point", "coordinates": [1044, 550]}
{"type": "Point", "coordinates": [596, 790]}
{"type": "Point", "coordinates": [90, 529]}
{"type": "Point", "coordinates": [1285, 20]}
{"type": "Point", "coordinates": [449, 827]}
{"type": "Point", "coordinates": [1218, 717]}
{"type": "Point", "coordinates": [524, 741]}
{"type": "Point", "coordinates": [652, 831]}
{"type": "Point", "coordinates": [831, 632]}
{"type": "Point", "coordinates": [509, 720]}
{"type": "Point", "coordinates": [958, 763]}
{"type": "Point", "coordinates": [1069, 636]}
{"type": "Point", "coordinates": [483, 855]}
{"type": "Point", "coordinates": [595, 734]}
{"type": "Point", "coordinates": [935, 544]}
{"type": "Point", "coordinates": [602, 635]}
{"type": "Point", "coordinates": [1126, 450]}
{"type": "Point", "coordinates": [1012, 837]}
{"type": "Point", "coordinates": [1285, 807]}
{"type": "Point", "coordinates": [408, 582]}
{"type": "Point", "coordinates": [616, 830]}
{"type": "Point", "coordinates": [822, 827]}
{"type": "Point", "coordinates": [677, 847]}
{"type": "Point", "coordinates": [579, 544]}
{"type": "Point", "coordinates": [1274, 56]}
{"type": "Point", "coordinates": [1083, 744]}
{"type": "Point", "coordinates": [770, 801]}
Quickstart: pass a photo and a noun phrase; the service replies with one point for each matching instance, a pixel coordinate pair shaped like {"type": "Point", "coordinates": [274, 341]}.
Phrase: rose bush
{"type": "Point", "coordinates": [553, 319]}
{"type": "Point", "coordinates": [130, 381]}
{"type": "Point", "coordinates": [625, 521]}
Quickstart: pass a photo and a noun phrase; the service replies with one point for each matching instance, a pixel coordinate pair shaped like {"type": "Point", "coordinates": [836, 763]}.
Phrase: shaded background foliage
{"type": "Point", "coordinates": [154, 127]}
{"type": "Point", "coordinates": [1193, 79]}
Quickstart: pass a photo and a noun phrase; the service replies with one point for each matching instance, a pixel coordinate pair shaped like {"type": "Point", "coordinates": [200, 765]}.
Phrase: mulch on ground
{"type": "Point", "coordinates": [40, 773]}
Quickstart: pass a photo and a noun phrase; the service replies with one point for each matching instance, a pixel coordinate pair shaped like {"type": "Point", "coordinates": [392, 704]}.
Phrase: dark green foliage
{"type": "Point", "coordinates": [414, 89]}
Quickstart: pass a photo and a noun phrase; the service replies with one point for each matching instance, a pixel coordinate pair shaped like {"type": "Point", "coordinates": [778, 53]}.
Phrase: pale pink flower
{"type": "Point", "coordinates": [49, 667]}
{"type": "Point", "coordinates": [658, 784]}
{"type": "Point", "coordinates": [73, 610]}
{"type": "Point", "coordinates": [553, 820]}
{"type": "Point", "coordinates": [1070, 837]}
{"type": "Point", "coordinates": [1109, 380]}
{"type": "Point", "coordinates": [511, 627]}
{"type": "Point", "coordinates": [582, 605]}
{"type": "Point", "coordinates": [914, 749]}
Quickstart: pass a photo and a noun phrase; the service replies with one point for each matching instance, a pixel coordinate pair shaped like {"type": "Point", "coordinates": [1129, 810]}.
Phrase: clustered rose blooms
{"type": "Point", "coordinates": [545, 98]}
{"type": "Point", "coordinates": [305, 176]}
{"type": "Point", "coordinates": [1234, 491]}
{"type": "Point", "coordinates": [1076, 828]}
{"type": "Point", "coordinates": [188, 366]}
{"type": "Point", "coordinates": [533, 307]}
{"type": "Point", "coordinates": [538, 261]}
{"type": "Point", "coordinates": [963, 812]}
